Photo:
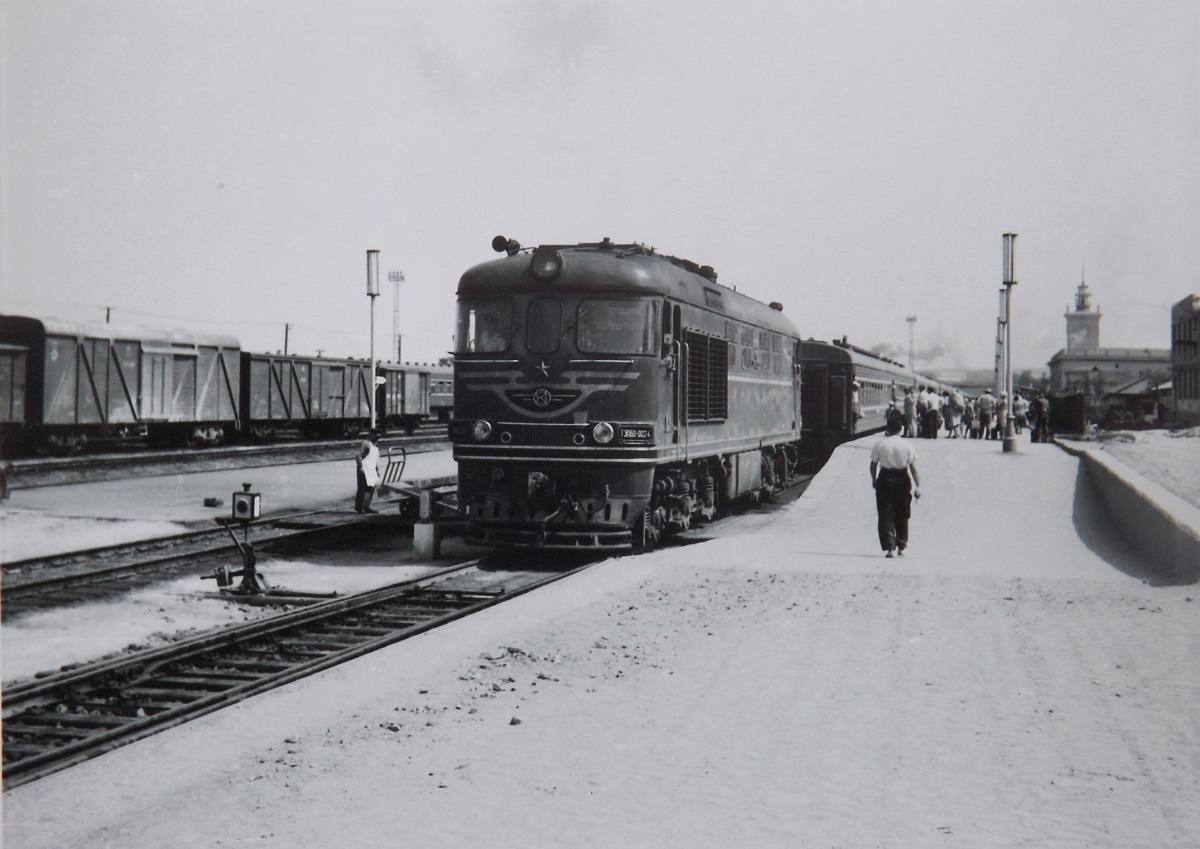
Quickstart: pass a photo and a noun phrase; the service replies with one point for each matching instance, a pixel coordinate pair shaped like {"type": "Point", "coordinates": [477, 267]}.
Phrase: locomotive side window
{"type": "Point", "coordinates": [617, 327]}
{"type": "Point", "coordinates": [543, 326]}
{"type": "Point", "coordinates": [483, 326]}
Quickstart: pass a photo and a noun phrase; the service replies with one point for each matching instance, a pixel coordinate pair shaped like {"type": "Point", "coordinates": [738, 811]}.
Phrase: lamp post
{"type": "Point", "coordinates": [1010, 280]}
{"type": "Point", "coordinates": [396, 278]}
{"type": "Point", "coordinates": [372, 293]}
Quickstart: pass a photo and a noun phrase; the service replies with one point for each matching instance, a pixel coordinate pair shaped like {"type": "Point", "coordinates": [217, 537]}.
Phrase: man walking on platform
{"type": "Point", "coordinates": [367, 473]}
{"type": "Point", "coordinates": [894, 477]}
{"type": "Point", "coordinates": [910, 414]}
{"type": "Point", "coordinates": [987, 407]}
{"type": "Point", "coordinates": [1041, 418]}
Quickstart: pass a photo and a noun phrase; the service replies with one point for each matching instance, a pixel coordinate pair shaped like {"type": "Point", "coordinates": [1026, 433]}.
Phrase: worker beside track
{"type": "Point", "coordinates": [367, 473]}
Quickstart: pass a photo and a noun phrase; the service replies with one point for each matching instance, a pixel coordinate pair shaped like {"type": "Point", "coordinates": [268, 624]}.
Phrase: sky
{"type": "Point", "coordinates": [224, 166]}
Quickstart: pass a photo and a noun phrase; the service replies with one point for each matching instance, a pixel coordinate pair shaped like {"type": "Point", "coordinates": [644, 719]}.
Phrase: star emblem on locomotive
{"type": "Point", "coordinates": [543, 368]}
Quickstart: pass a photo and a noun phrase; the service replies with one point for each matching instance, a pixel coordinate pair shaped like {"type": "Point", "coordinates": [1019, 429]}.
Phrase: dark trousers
{"type": "Point", "coordinates": [362, 498]}
{"type": "Point", "coordinates": [893, 501]}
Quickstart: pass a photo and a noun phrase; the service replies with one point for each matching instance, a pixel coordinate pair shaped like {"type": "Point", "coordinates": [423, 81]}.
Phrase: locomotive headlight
{"type": "Point", "coordinates": [602, 432]}
{"type": "Point", "coordinates": [482, 430]}
{"type": "Point", "coordinates": [546, 263]}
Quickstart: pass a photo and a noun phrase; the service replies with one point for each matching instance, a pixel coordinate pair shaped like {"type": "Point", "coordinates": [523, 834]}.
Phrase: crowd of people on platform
{"type": "Point", "coordinates": [924, 414]}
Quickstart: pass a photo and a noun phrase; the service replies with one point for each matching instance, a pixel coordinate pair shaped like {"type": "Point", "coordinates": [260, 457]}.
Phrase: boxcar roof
{"type": "Point", "coordinates": [625, 269]}
{"type": "Point", "coordinates": [99, 330]}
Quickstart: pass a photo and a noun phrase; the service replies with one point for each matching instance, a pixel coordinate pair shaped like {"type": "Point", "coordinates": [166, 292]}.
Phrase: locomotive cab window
{"type": "Point", "coordinates": [617, 327]}
{"type": "Point", "coordinates": [483, 326]}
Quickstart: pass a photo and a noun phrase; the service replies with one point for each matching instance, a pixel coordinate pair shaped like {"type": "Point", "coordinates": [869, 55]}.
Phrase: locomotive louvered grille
{"type": "Point", "coordinates": [707, 377]}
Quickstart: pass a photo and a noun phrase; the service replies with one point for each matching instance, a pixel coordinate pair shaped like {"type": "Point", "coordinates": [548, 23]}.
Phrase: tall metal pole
{"type": "Point", "coordinates": [372, 293]}
{"type": "Point", "coordinates": [396, 278]}
{"type": "Point", "coordinates": [1010, 280]}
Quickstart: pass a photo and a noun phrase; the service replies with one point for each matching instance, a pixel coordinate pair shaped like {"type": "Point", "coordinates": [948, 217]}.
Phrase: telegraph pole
{"type": "Point", "coordinates": [286, 332]}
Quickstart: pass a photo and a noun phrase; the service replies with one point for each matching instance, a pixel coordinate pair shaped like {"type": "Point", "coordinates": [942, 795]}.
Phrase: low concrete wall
{"type": "Point", "coordinates": [1151, 517]}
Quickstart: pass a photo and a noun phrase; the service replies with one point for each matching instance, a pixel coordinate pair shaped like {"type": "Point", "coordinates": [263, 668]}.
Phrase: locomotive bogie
{"type": "Point", "coordinates": [553, 505]}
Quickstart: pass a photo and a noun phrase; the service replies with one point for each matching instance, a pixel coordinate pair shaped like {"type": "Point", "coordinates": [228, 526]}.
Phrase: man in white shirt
{"type": "Point", "coordinates": [894, 477]}
{"type": "Point", "coordinates": [367, 473]}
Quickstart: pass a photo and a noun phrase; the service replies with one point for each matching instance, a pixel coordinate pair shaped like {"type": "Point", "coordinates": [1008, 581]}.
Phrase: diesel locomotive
{"type": "Point", "coordinates": [606, 394]}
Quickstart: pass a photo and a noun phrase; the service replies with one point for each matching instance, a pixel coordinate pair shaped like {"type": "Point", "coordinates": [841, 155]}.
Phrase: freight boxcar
{"type": "Point", "coordinates": [404, 395]}
{"type": "Point", "coordinates": [87, 382]}
{"type": "Point", "coordinates": [313, 395]}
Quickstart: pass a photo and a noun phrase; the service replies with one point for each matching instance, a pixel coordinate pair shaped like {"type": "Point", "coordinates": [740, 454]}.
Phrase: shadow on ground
{"type": "Point", "coordinates": [1098, 532]}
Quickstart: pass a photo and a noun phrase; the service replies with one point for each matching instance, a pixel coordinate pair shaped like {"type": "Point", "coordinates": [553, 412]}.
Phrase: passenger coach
{"type": "Point", "coordinates": [605, 394]}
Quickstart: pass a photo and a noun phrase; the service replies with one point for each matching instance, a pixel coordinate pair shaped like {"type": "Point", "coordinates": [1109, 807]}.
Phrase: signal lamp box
{"type": "Point", "coordinates": [246, 506]}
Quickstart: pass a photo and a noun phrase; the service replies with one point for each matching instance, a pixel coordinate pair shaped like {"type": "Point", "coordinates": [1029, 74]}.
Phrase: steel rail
{"type": "Point", "coordinates": [131, 559]}
{"type": "Point", "coordinates": [40, 706]}
{"type": "Point", "coordinates": [56, 471]}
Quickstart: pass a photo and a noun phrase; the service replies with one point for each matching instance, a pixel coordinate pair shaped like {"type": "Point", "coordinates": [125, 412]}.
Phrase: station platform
{"type": "Point", "coordinates": [1023, 677]}
{"type": "Point", "coordinates": [53, 519]}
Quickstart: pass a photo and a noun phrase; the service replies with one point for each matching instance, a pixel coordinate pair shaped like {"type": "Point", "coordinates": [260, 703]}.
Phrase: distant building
{"type": "Point", "coordinates": [1185, 359]}
{"type": "Point", "coordinates": [1083, 366]}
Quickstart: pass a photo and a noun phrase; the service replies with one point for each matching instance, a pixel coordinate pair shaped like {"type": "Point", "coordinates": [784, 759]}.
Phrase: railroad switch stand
{"type": "Point", "coordinates": [247, 506]}
{"type": "Point", "coordinates": [253, 582]}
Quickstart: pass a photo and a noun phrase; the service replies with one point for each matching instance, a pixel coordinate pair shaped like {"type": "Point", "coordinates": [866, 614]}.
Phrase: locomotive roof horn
{"type": "Point", "coordinates": [503, 244]}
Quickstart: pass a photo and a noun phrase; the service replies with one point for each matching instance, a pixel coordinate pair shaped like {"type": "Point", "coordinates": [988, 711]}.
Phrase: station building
{"type": "Point", "coordinates": [1085, 367]}
{"type": "Point", "coordinates": [1185, 359]}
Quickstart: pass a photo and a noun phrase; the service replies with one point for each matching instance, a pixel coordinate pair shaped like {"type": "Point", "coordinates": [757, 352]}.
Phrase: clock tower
{"type": "Point", "coordinates": [1083, 323]}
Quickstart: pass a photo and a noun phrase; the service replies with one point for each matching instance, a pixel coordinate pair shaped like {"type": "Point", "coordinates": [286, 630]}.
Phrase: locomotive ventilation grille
{"type": "Point", "coordinates": [707, 377]}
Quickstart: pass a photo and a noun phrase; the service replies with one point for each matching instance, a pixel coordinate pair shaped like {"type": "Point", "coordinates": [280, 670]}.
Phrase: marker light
{"type": "Point", "coordinates": [546, 263]}
{"type": "Point", "coordinates": [482, 430]}
{"type": "Point", "coordinates": [602, 432]}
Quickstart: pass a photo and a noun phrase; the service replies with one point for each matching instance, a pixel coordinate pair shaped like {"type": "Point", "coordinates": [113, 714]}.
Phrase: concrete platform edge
{"type": "Point", "coordinates": [1146, 513]}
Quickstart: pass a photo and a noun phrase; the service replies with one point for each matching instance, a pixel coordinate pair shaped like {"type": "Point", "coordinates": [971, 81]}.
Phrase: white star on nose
{"type": "Point", "coordinates": [543, 368]}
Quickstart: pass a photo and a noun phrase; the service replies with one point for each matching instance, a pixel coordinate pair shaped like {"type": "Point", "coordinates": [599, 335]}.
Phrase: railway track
{"type": "Point", "coordinates": [64, 719]}
{"type": "Point", "coordinates": [40, 582]}
{"type": "Point", "coordinates": [36, 472]}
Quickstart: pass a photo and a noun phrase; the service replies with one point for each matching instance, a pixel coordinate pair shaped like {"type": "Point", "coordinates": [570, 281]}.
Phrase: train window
{"type": "Point", "coordinates": [617, 327]}
{"type": "Point", "coordinates": [543, 327]}
{"type": "Point", "coordinates": [483, 326]}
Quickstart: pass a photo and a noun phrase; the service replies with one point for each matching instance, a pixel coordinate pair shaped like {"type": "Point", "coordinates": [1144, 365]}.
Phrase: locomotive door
{"type": "Point", "coordinates": [679, 374]}
{"type": "Point", "coordinates": [814, 408]}
{"type": "Point", "coordinates": [797, 387]}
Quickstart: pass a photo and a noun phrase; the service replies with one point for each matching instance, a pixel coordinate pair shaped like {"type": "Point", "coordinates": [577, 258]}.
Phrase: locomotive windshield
{"type": "Point", "coordinates": [617, 326]}
{"type": "Point", "coordinates": [483, 326]}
